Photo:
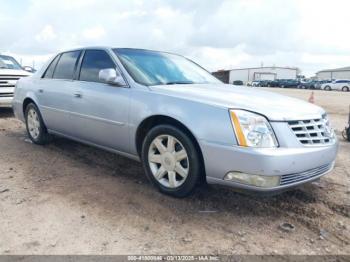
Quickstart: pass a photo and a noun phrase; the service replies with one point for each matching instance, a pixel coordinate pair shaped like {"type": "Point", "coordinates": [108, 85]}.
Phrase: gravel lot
{"type": "Point", "coordinates": [68, 198]}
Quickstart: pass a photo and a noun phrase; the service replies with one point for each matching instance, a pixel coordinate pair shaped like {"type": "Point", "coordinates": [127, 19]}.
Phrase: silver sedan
{"type": "Point", "coordinates": [184, 125]}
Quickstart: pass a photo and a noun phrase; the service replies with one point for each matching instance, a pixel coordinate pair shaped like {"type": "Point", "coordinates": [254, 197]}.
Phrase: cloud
{"type": "Point", "coordinates": [94, 33]}
{"type": "Point", "coordinates": [47, 34]}
{"type": "Point", "coordinates": [216, 33]}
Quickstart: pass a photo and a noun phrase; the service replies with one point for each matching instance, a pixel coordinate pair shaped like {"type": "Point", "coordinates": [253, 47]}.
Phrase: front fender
{"type": "Point", "coordinates": [206, 122]}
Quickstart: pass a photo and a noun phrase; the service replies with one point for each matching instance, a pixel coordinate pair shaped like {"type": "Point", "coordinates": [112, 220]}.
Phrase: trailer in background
{"type": "Point", "coordinates": [248, 75]}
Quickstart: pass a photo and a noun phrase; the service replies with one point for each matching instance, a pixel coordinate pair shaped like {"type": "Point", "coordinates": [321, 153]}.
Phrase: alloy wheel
{"type": "Point", "coordinates": [33, 123]}
{"type": "Point", "coordinates": [168, 161]}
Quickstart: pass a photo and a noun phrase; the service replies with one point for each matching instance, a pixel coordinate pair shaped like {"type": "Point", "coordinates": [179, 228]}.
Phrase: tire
{"type": "Point", "coordinates": [165, 164]}
{"type": "Point", "coordinates": [327, 88]}
{"type": "Point", "coordinates": [35, 126]}
{"type": "Point", "coordinates": [282, 86]}
{"type": "Point", "coordinates": [345, 89]}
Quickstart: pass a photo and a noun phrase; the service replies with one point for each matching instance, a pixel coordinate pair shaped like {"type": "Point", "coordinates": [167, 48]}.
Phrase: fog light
{"type": "Point", "coordinates": [254, 180]}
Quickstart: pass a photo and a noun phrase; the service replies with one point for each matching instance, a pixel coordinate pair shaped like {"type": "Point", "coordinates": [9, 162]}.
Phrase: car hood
{"type": "Point", "coordinates": [274, 106]}
{"type": "Point", "coordinates": [14, 72]}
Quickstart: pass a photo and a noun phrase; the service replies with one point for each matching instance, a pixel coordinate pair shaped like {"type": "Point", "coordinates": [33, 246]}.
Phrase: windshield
{"type": "Point", "coordinates": [8, 62]}
{"type": "Point", "coordinates": [156, 68]}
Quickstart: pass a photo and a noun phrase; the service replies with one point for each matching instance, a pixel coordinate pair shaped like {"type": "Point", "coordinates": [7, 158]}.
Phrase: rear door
{"type": "Point", "coordinates": [100, 111]}
{"type": "Point", "coordinates": [55, 92]}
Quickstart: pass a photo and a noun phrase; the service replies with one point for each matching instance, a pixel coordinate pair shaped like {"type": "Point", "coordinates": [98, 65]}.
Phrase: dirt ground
{"type": "Point", "coordinates": [68, 198]}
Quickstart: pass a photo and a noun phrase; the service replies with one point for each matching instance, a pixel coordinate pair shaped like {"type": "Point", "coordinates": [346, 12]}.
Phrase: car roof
{"type": "Point", "coordinates": [114, 48]}
{"type": "Point", "coordinates": [85, 47]}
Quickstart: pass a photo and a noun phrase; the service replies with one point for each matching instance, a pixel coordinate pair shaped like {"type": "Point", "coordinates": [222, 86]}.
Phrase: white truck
{"type": "Point", "coordinates": [10, 72]}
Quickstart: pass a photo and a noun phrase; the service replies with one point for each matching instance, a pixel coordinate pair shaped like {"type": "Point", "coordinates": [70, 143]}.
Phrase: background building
{"type": "Point", "coordinates": [257, 73]}
{"type": "Point", "coordinates": [337, 73]}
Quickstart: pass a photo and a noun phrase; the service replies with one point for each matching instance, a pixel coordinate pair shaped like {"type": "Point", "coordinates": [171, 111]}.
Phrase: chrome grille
{"type": "Point", "coordinates": [9, 80]}
{"type": "Point", "coordinates": [6, 94]}
{"type": "Point", "coordinates": [293, 178]}
{"type": "Point", "coordinates": [313, 132]}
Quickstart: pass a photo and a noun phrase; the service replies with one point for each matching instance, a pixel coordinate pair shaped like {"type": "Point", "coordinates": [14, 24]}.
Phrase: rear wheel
{"type": "Point", "coordinates": [345, 89]}
{"type": "Point", "coordinates": [328, 88]}
{"type": "Point", "coordinates": [171, 160]}
{"type": "Point", "coordinates": [36, 129]}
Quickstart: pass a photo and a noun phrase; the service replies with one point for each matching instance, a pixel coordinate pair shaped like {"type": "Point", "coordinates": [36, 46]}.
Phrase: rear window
{"type": "Point", "coordinates": [66, 65]}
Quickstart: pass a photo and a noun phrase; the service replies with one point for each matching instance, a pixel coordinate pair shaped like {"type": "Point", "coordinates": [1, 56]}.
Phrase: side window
{"type": "Point", "coordinates": [93, 62]}
{"type": "Point", "coordinates": [66, 65]}
{"type": "Point", "coordinates": [51, 68]}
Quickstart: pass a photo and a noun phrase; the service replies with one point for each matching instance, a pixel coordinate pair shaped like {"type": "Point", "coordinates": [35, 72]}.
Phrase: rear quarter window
{"type": "Point", "coordinates": [51, 68]}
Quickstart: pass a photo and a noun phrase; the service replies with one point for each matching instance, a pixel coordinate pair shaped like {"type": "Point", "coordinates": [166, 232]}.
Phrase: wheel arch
{"type": "Point", "coordinates": [26, 102]}
{"type": "Point", "coordinates": [154, 120]}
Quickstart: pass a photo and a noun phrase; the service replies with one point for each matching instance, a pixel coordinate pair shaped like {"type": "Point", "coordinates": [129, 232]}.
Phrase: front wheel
{"type": "Point", "coordinates": [171, 160]}
{"type": "Point", "coordinates": [345, 89]}
{"type": "Point", "coordinates": [36, 129]}
{"type": "Point", "coordinates": [328, 88]}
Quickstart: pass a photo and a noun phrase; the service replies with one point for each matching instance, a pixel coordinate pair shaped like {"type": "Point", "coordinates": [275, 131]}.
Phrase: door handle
{"type": "Point", "coordinates": [40, 90]}
{"type": "Point", "coordinates": [78, 95]}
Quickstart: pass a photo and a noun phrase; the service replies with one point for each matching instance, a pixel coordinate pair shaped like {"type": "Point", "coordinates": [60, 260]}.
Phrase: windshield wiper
{"type": "Point", "coordinates": [178, 83]}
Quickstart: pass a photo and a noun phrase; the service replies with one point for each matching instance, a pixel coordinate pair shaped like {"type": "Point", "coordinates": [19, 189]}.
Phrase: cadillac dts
{"type": "Point", "coordinates": [183, 124]}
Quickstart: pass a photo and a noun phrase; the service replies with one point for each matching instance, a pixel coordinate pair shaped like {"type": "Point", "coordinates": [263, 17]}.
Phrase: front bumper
{"type": "Point", "coordinates": [6, 101]}
{"type": "Point", "coordinates": [303, 163]}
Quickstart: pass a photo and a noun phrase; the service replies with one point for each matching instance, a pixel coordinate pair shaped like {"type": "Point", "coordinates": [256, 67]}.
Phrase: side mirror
{"type": "Point", "coordinates": [29, 69]}
{"type": "Point", "coordinates": [110, 76]}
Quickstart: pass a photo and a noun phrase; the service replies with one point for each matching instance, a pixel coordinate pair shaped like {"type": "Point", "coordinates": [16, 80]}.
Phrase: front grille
{"type": "Point", "coordinates": [313, 132]}
{"type": "Point", "coordinates": [9, 80]}
{"type": "Point", "coordinates": [6, 94]}
{"type": "Point", "coordinates": [293, 178]}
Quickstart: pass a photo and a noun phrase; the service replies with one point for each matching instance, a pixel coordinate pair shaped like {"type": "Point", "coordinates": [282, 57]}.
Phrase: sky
{"type": "Point", "coordinates": [218, 34]}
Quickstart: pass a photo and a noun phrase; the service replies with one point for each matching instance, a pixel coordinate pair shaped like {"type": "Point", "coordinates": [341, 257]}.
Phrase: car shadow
{"type": "Point", "coordinates": [128, 177]}
{"type": "Point", "coordinates": [6, 112]}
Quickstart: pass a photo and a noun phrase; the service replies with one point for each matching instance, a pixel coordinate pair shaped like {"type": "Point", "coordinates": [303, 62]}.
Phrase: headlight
{"type": "Point", "coordinates": [252, 130]}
